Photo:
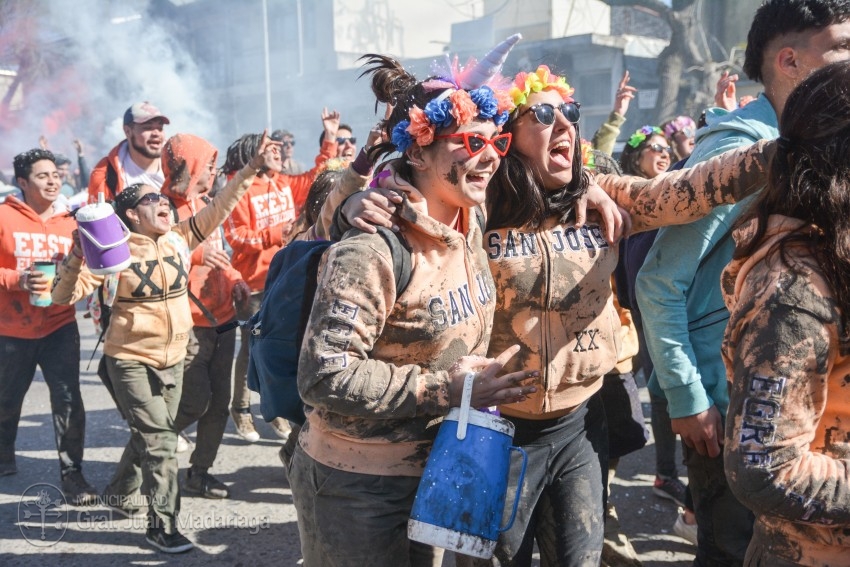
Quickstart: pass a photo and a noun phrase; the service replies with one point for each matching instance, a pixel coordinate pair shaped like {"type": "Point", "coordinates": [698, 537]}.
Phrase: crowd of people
{"type": "Point", "coordinates": [711, 257]}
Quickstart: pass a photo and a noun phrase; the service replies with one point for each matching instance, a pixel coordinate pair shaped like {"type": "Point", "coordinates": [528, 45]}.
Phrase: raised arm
{"type": "Point", "coordinates": [680, 197]}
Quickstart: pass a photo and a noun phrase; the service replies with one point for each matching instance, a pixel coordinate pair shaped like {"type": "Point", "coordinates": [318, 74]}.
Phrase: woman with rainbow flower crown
{"type": "Point", "coordinates": [378, 365]}
{"type": "Point", "coordinates": [646, 153]}
{"type": "Point", "coordinates": [554, 299]}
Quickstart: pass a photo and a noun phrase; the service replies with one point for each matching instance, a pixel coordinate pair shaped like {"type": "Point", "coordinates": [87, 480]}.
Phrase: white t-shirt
{"type": "Point", "coordinates": [132, 173]}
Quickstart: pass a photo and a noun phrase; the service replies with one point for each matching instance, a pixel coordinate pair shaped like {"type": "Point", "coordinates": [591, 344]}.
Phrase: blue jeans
{"type": "Point", "coordinates": [562, 501]}
{"type": "Point", "coordinates": [58, 355]}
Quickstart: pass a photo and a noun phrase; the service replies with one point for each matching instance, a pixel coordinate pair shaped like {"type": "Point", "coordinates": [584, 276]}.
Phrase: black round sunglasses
{"type": "Point", "coordinates": [545, 112]}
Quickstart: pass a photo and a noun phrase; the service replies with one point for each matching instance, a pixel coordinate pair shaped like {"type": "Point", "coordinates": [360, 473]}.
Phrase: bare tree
{"type": "Point", "coordinates": [24, 49]}
{"type": "Point", "coordinates": [686, 62]}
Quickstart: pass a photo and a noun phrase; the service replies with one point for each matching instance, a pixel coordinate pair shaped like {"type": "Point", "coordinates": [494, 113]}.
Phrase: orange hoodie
{"type": "Point", "coordinates": [25, 238]}
{"type": "Point", "coordinates": [255, 228]}
{"type": "Point", "coordinates": [185, 158]}
{"type": "Point", "coordinates": [100, 179]}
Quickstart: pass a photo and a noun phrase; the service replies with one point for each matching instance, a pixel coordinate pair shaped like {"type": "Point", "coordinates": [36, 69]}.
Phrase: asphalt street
{"type": "Point", "coordinates": [256, 526]}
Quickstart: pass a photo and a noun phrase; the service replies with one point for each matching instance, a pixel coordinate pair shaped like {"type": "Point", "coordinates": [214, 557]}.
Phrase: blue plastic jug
{"type": "Point", "coordinates": [461, 498]}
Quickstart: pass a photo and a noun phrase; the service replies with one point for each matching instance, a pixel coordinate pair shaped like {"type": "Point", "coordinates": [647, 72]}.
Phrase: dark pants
{"type": "Point", "coordinates": [241, 393]}
{"type": "Point", "coordinates": [725, 525]}
{"type": "Point", "coordinates": [58, 356]}
{"type": "Point", "coordinates": [562, 503]}
{"type": "Point", "coordinates": [665, 439]}
{"type": "Point", "coordinates": [348, 519]}
{"type": "Point", "coordinates": [206, 392]}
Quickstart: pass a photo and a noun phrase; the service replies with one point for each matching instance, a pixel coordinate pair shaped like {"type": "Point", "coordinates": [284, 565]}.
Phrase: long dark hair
{"type": "Point", "coordinates": [515, 197]}
{"type": "Point", "coordinates": [809, 179]}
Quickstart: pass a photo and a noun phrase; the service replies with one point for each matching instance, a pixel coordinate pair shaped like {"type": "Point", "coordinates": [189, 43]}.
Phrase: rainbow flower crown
{"type": "Point", "coordinates": [642, 134]}
{"type": "Point", "coordinates": [474, 91]}
{"type": "Point", "coordinates": [542, 78]}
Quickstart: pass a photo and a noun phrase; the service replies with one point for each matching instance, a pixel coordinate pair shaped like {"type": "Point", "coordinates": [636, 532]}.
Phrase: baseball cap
{"type": "Point", "coordinates": [142, 112]}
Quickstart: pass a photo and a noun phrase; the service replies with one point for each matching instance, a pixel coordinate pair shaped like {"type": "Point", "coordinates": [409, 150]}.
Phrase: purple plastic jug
{"type": "Point", "coordinates": [104, 238]}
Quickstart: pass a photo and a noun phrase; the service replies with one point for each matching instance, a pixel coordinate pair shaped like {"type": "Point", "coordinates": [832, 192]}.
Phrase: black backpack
{"type": "Point", "coordinates": [276, 331]}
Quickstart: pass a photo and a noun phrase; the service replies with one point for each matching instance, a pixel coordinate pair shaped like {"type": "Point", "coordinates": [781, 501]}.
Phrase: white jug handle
{"type": "Point", "coordinates": [465, 402]}
{"type": "Point", "coordinates": [94, 241]}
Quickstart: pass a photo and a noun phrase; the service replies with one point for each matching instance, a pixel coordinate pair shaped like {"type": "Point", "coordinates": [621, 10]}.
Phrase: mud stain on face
{"type": "Point", "coordinates": [453, 176]}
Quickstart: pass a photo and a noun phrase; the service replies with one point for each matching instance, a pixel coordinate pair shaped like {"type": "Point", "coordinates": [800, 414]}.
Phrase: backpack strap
{"type": "Point", "coordinates": [402, 259]}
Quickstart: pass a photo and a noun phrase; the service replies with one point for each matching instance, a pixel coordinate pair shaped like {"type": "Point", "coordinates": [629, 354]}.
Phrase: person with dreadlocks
{"type": "Point", "coordinates": [145, 344]}
{"type": "Point", "coordinates": [256, 230]}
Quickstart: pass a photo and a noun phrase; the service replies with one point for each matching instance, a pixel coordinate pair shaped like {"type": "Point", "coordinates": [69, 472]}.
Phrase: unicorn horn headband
{"type": "Point", "coordinates": [491, 64]}
{"type": "Point", "coordinates": [477, 91]}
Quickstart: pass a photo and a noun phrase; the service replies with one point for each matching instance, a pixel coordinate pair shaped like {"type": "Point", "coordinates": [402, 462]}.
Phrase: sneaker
{"type": "Point", "coordinates": [687, 532]}
{"type": "Point", "coordinates": [8, 467]}
{"type": "Point", "coordinates": [77, 490]}
{"type": "Point", "coordinates": [182, 443]}
{"type": "Point", "coordinates": [244, 425]}
{"type": "Point", "coordinates": [281, 427]}
{"type": "Point", "coordinates": [617, 550]}
{"type": "Point", "coordinates": [169, 543]}
{"type": "Point", "coordinates": [127, 512]}
{"type": "Point", "coordinates": [205, 484]}
{"type": "Point", "coordinates": [670, 488]}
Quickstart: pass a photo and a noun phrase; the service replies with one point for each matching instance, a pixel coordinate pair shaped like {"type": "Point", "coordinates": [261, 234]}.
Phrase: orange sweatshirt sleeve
{"type": "Point", "coordinates": [300, 184]}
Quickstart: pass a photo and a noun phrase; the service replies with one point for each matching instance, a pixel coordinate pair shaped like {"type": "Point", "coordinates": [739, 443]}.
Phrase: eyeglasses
{"type": "Point", "coordinates": [685, 132]}
{"type": "Point", "coordinates": [151, 199]}
{"type": "Point", "coordinates": [545, 112]}
{"type": "Point", "coordinates": [351, 139]}
{"type": "Point", "coordinates": [475, 143]}
{"type": "Point", "coordinates": [288, 143]}
{"type": "Point", "coordinates": [658, 148]}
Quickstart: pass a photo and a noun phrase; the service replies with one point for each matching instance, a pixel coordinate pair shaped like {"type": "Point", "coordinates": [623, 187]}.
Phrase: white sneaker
{"type": "Point", "coordinates": [182, 444]}
{"type": "Point", "coordinates": [244, 422]}
{"type": "Point", "coordinates": [687, 532]}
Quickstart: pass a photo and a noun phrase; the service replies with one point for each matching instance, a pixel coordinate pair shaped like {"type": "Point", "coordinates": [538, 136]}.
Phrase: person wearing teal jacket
{"type": "Point", "coordinates": [684, 317]}
{"type": "Point", "coordinates": [679, 288]}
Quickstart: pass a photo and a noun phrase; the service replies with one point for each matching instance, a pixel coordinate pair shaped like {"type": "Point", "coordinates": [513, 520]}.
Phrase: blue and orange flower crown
{"type": "Point", "coordinates": [474, 91]}
{"type": "Point", "coordinates": [642, 134]}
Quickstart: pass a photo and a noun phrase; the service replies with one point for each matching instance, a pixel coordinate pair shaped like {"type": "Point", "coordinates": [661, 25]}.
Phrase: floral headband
{"type": "Point", "coordinates": [459, 106]}
{"type": "Point", "coordinates": [642, 134]}
{"type": "Point", "coordinates": [474, 91]}
{"type": "Point", "coordinates": [542, 78]}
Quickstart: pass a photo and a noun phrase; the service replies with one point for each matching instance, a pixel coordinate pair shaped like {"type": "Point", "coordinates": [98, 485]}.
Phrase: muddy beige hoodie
{"type": "Point", "coordinates": [787, 451]}
{"type": "Point", "coordinates": [553, 284]}
{"type": "Point", "coordinates": [151, 318]}
{"type": "Point", "coordinates": [375, 364]}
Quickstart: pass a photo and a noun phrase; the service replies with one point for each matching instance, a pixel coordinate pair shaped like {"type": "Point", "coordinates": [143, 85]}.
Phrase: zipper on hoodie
{"type": "Point", "coordinates": [545, 268]}
{"type": "Point", "coordinates": [470, 278]}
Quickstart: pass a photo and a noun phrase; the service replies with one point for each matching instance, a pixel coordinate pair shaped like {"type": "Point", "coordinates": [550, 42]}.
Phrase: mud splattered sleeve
{"type": "Point", "coordinates": [786, 446]}
{"type": "Point", "coordinates": [336, 371]}
{"type": "Point", "coordinates": [680, 197]}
